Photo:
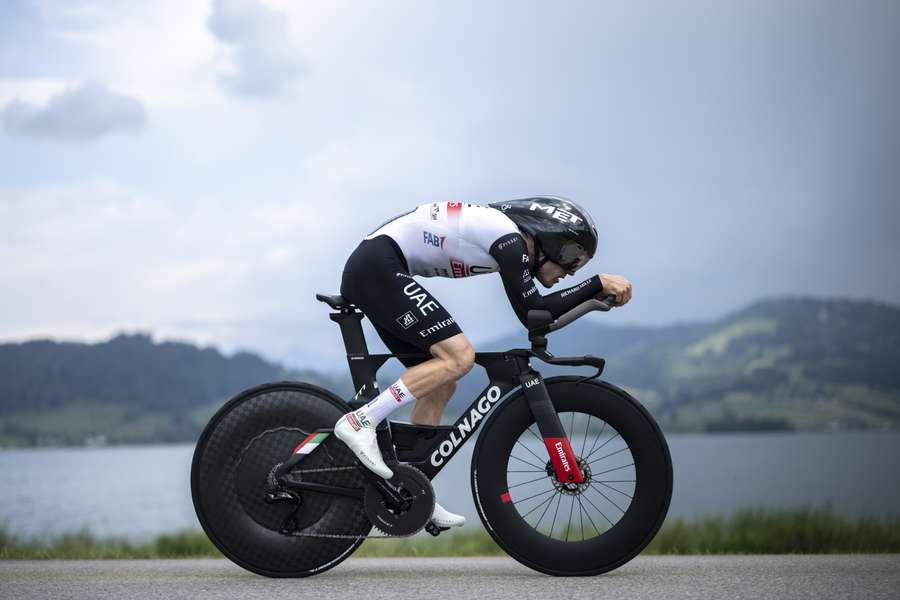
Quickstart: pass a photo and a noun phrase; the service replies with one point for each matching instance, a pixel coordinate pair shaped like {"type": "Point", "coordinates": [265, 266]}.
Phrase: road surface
{"type": "Point", "coordinates": [669, 577]}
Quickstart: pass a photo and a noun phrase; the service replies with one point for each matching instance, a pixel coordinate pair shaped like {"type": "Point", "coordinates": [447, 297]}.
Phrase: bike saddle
{"type": "Point", "coordinates": [335, 301]}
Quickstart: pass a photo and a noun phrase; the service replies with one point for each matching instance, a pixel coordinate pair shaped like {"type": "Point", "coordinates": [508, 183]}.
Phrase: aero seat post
{"type": "Point", "coordinates": [362, 371]}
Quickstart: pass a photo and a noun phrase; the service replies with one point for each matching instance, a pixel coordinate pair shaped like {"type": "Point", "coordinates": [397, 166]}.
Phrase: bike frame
{"type": "Point", "coordinates": [434, 446]}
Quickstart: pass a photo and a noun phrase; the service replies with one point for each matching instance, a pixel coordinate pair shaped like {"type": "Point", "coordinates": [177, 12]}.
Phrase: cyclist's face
{"type": "Point", "coordinates": [550, 273]}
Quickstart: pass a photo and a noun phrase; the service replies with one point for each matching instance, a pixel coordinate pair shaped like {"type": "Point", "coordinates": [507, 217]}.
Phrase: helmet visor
{"type": "Point", "coordinates": [572, 257]}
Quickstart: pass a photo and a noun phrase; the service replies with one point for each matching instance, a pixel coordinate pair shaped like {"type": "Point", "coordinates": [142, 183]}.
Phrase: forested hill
{"type": "Point", "coordinates": [796, 364]}
{"type": "Point", "coordinates": [128, 389]}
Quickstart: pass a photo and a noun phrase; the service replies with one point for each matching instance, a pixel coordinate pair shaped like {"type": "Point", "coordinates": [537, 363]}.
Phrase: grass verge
{"type": "Point", "coordinates": [749, 531]}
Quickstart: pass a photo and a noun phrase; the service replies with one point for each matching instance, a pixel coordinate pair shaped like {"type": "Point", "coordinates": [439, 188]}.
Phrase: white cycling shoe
{"type": "Point", "coordinates": [357, 431]}
{"type": "Point", "coordinates": [444, 518]}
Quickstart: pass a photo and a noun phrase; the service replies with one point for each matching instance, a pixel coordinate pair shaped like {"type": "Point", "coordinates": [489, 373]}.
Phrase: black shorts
{"type": "Point", "coordinates": [406, 316]}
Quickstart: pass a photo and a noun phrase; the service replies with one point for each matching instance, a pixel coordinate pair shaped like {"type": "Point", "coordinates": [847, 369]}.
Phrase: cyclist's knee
{"type": "Point", "coordinates": [457, 354]}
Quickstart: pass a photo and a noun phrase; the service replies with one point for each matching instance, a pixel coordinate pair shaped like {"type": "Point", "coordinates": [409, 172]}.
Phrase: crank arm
{"type": "Point", "coordinates": [308, 486]}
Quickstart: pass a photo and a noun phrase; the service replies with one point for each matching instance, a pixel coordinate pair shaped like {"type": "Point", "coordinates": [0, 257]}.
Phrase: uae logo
{"type": "Point", "coordinates": [407, 320]}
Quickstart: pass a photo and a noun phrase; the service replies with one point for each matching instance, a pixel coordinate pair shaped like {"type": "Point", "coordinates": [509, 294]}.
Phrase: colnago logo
{"type": "Point", "coordinates": [466, 426]}
{"type": "Point", "coordinates": [562, 456]}
{"type": "Point", "coordinates": [559, 214]}
{"type": "Point", "coordinates": [436, 327]}
{"type": "Point", "coordinates": [432, 239]}
{"type": "Point", "coordinates": [435, 211]}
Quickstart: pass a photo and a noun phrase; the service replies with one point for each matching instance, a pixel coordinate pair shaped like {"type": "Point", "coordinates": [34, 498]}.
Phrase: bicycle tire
{"type": "Point", "coordinates": [243, 441]}
{"type": "Point", "coordinates": [617, 545]}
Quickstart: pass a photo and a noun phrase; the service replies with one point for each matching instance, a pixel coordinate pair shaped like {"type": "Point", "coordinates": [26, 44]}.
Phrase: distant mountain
{"type": "Point", "coordinates": [789, 363]}
{"type": "Point", "coordinates": [128, 389]}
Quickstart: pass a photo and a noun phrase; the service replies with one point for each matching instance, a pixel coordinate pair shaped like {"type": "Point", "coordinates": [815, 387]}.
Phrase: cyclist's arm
{"type": "Point", "coordinates": [511, 255]}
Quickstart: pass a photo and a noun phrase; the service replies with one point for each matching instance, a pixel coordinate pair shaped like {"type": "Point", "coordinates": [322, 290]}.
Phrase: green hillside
{"type": "Point", "coordinates": [126, 390]}
{"type": "Point", "coordinates": [780, 364]}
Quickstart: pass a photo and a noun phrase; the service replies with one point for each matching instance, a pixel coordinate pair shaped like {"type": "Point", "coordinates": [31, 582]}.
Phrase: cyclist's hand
{"type": "Point", "coordinates": [617, 285]}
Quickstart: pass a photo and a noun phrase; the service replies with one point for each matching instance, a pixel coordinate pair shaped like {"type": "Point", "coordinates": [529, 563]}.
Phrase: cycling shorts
{"type": "Point", "coordinates": [406, 316]}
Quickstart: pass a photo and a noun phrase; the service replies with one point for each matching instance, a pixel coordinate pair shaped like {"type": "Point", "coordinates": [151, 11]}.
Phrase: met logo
{"type": "Point", "coordinates": [433, 240]}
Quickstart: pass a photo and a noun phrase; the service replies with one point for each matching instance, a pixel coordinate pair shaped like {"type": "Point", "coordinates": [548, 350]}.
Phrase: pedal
{"type": "Point", "coordinates": [433, 529]}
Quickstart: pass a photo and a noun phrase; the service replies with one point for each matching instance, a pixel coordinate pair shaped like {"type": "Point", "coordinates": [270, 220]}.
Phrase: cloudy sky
{"type": "Point", "coordinates": [199, 169]}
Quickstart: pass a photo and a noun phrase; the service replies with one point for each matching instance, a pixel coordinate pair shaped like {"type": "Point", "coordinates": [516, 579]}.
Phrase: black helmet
{"type": "Point", "coordinates": [562, 229]}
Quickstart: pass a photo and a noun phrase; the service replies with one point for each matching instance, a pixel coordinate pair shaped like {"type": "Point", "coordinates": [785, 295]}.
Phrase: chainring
{"type": "Point", "coordinates": [416, 488]}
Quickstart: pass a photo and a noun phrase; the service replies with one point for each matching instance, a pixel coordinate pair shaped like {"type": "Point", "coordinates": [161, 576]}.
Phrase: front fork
{"type": "Point", "coordinates": [557, 443]}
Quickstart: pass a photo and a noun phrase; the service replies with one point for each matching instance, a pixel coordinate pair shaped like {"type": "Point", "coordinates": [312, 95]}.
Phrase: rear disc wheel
{"type": "Point", "coordinates": [240, 446]}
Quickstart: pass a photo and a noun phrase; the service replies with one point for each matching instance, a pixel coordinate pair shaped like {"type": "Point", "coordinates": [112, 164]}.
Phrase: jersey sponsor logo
{"type": "Point", "coordinates": [420, 297]}
{"type": "Point", "coordinates": [524, 258]}
{"type": "Point", "coordinates": [461, 269]}
{"type": "Point", "coordinates": [529, 291]}
{"type": "Point", "coordinates": [399, 274]}
{"type": "Point", "coordinates": [508, 242]}
{"type": "Point", "coordinates": [559, 214]}
{"type": "Point", "coordinates": [435, 211]}
{"type": "Point", "coordinates": [407, 320]}
{"type": "Point", "coordinates": [436, 327]}
{"type": "Point", "coordinates": [574, 289]}
{"type": "Point", "coordinates": [526, 275]}
{"type": "Point", "coordinates": [462, 430]}
{"type": "Point", "coordinates": [433, 239]}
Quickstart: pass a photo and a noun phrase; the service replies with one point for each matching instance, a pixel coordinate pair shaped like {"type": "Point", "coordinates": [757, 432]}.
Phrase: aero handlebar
{"type": "Point", "coordinates": [540, 321]}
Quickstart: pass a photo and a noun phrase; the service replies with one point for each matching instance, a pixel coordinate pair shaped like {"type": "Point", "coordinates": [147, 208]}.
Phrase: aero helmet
{"type": "Point", "coordinates": [563, 230]}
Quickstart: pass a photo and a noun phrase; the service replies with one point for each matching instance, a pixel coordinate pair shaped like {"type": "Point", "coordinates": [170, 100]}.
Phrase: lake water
{"type": "Point", "coordinates": [140, 491]}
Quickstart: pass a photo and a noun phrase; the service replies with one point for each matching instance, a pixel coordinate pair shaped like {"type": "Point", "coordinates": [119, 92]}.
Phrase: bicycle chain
{"type": "Point", "coordinates": [340, 536]}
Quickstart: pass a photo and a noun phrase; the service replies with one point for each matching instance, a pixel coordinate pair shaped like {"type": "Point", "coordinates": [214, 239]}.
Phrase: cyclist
{"type": "Point", "coordinates": [545, 238]}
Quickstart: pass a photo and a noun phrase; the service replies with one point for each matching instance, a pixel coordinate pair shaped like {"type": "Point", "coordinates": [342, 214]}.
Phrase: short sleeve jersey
{"type": "Point", "coordinates": [454, 239]}
{"type": "Point", "coordinates": [448, 239]}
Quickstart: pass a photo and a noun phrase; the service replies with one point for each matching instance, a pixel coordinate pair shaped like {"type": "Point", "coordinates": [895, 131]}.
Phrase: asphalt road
{"type": "Point", "coordinates": [669, 577]}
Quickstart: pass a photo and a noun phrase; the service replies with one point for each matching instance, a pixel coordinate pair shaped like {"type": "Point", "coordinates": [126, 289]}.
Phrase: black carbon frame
{"type": "Point", "coordinates": [507, 372]}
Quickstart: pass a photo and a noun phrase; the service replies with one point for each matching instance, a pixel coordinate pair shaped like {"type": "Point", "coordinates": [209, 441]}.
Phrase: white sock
{"type": "Point", "coordinates": [395, 396]}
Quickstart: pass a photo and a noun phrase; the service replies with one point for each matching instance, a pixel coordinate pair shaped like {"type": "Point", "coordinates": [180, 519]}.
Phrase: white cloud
{"type": "Point", "coordinates": [265, 60]}
{"type": "Point", "coordinates": [83, 112]}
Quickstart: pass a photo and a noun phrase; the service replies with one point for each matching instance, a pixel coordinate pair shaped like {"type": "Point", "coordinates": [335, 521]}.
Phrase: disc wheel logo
{"type": "Point", "coordinates": [407, 320]}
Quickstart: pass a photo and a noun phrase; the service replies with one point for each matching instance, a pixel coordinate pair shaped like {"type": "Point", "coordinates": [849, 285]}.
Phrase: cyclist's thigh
{"type": "Point", "coordinates": [405, 314]}
{"type": "Point", "coordinates": [398, 345]}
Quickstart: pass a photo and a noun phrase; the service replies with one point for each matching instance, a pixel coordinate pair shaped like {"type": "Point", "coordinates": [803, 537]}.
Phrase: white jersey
{"type": "Point", "coordinates": [448, 239]}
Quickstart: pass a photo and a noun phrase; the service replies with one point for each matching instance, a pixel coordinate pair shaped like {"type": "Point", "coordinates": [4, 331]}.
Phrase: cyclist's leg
{"type": "Point", "coordinates": [432, 381]}
{"type": "Point", "coordinates": [429, 405]}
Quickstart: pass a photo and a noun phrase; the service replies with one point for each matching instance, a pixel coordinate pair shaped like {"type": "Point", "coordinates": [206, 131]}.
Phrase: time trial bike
{"type": "Point", "coordinates": [570, 475]}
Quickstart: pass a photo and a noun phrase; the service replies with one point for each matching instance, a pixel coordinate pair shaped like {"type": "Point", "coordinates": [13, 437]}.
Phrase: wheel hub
{"type": "Point", "coordinates": [570, 488]}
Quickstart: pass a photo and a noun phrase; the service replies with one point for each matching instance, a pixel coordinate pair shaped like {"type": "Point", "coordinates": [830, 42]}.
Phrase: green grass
{"type": "Point", "coordinates": [749, 531]}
